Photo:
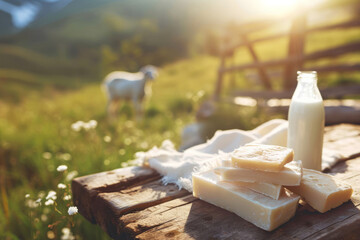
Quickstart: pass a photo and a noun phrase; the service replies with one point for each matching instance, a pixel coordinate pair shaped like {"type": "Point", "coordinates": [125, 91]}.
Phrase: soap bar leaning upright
{"type": "Point", "coordinates": [264, 212]}
{"type": "Point", "coordinates": [322, 191]}
{"type": "Point", "coordinates": [262, 157]}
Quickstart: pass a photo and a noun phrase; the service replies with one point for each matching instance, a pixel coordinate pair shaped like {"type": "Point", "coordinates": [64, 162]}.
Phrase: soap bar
{"type": "Point", "coordinates": [322, 191]}
{"type": "Point", "coordinates": [262, 211]}
{"type": "Point", "coordinates": [289, 176]}
{"type": "Point", "coordinates": [262, 157]}
{"type": "Point", "coordinates": [271, 190]}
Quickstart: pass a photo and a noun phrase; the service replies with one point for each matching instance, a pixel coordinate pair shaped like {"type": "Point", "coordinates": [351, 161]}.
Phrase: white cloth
{"type": "Point", "coordinates": [178, 167]}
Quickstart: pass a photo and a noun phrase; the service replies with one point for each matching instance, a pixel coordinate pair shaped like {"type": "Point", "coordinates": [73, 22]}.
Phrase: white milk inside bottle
{"type": "Point", "coordinates": [306, 121]}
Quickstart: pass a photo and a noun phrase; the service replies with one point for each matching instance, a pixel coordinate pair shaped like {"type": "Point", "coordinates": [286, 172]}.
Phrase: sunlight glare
{"type": "Point", "coordinates": [275, 7]}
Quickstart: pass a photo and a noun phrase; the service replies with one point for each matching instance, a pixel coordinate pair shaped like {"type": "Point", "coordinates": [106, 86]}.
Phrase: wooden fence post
{"type": "Point", "coordinates": [262, 73]}
{"type": "Point", "coordinates": [295, 51]}
{"type": "Point", "coordinates": [219, 80]}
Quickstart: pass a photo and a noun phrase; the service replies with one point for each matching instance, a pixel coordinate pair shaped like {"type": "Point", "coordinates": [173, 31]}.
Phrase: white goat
{"type": "Point", "coordinates": [128, 86]}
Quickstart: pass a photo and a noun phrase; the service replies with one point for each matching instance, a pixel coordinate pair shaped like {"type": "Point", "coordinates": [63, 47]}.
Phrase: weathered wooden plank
{"type": "Point", "coordinates": [262, 73]}
{"type": "Point", "coordinates": [171, 212]}
{"type": "Point", "coordinates": [330, 92]}
{"type": "Point", "coordinates": [349, 229]}
{"type": "Point", "coordinates": [219, 80]}
{"type": "Point", "coordinates": [296, 50]}
{"type": "Point", "coordinates": [196, 219]}
{"type": "Point", "coordinates": [85, 189]}
{"type": "Point", "coordinates": [132, 203]}
{"type": "Point", "coordinates": [187, 217]}
{"type": "Point", "coordinates": [109, 206]}
{"type": "Point", "coordinates": [334, 68]}
{"type": "Point", "coordinates": [332, 52]}
{"type": "Point", "coordinates": [347, 24]}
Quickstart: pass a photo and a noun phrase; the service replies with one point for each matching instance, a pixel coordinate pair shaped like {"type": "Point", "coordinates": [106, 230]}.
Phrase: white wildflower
{"type": "Point", "coordinates": [41, 194]}
{"type": "Point", "coordinates": [124, 164]}
{"type": "Point", "coordinates": [62, 168]}
{"type": "Point", "coordinates": [127, 141]}
{"type": "Point", "coordinates": [66, 231]}
{"type": "Point", "coordinates": [38, 200]}
{"type": "Point", "coordinates": [46, 155]}
{"type": "Point", "coordinates": [106, 162]}
{"type": "Point", "coordinates": [67, 234]}
{"type": "Point", "coordinates": [49, 202]}
{"type": "Point", "coordinates": [86, 126]}
{"type": "Point", "coordinates": [31, 203]}
{"type": "Point", "coordinates": [50, 235]}
{"type": "Point", "coordinates": [66, 156]}
{"type": "Point", "coordinates": [107, 139]}
{"type": "Point", "coordinates": [77, 126]}
{"type": "Point", "coordinates": [43, 218]}
{"type": "Point", "coordinates": [67, 198]}
{"type": "Point", "coordinates": [71, 175]}
{"type": "Point", "coordinates": [93, 123]}
{"type": "Point", "coordinates": [144, 145]}
{"type": "Point", "coordinates": [27, 195]}
{"type": "Point", "coordinates": [72, 210]}
{"type": "Point", "coordinates": [121, 151]}
{"type": "Point", "coordinates": [51, 195]}
{"type": "Point", "coordinates": [61, 186]}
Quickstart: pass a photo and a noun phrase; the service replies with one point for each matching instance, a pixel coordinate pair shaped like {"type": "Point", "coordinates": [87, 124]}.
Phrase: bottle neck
{"type": "Point", "coordinates": [307, 77]}
{"type": "Point", "coordinates": [306, 88]}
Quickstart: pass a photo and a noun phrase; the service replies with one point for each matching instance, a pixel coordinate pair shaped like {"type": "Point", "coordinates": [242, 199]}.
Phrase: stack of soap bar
{"type": "Point", "coordinates": [262, 157]}
{"type": "Point", "coordinates": [271, 190]}
{"type": "Point", "coordinates": [290, 175]}
{"type": "Point", "coordinates": [322, 191]}
{"type": "Point", "coordinates": [264, 212]}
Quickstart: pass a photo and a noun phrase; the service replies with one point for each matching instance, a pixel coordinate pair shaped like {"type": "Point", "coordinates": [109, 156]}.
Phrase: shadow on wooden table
{"type": "Point", "coordinates": [206, 221]}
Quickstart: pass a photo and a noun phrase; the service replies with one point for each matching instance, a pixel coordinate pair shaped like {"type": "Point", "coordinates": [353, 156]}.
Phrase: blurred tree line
{"type": "Point", "coordinates": [116, 35]}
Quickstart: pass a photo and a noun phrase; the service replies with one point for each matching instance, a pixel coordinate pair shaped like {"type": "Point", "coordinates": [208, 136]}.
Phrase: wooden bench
{"type": "Point", "coordinates": [132, 203]}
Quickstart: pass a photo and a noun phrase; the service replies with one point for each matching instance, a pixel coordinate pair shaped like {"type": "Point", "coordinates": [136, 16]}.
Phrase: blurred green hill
{"type": "Point", "coordinates": [147, 31]}
{"type": "Point", "coordinates": [89, 38]}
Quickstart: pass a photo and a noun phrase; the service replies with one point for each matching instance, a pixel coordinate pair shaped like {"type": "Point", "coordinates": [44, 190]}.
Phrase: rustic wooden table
{"type": "Point", "coordinates": [131, 203]}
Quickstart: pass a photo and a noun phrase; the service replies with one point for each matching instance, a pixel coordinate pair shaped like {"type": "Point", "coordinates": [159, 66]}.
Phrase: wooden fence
{"type": "Point", "coordinates": [295, 60]}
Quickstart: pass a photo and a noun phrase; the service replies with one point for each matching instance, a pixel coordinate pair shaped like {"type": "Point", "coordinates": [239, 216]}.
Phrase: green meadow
{"type": "Point", "coordinates": [43, 95]}
{"type": "Point", "coordinates": [37, 137]}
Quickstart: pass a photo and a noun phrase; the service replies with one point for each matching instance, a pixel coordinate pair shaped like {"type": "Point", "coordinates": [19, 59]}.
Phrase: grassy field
{"type": "Point", "coordinates": [36, 137]}
{"type": "Point", "coordinates": [38, 108]}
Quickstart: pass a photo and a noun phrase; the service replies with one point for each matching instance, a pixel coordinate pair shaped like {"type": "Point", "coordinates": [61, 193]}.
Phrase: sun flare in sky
{"type": "Point", "coordinates": [278, 7]}
{"type": "Point", "coordinates": [275, 8]}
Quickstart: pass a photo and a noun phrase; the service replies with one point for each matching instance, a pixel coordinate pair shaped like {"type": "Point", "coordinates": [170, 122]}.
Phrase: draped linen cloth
{"type": "Point", "coordinates": [177, 167]}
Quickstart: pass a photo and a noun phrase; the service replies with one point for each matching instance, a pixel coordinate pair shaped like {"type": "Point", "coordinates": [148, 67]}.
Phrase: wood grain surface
{"type": "Point", "coordinates": [132, 203]}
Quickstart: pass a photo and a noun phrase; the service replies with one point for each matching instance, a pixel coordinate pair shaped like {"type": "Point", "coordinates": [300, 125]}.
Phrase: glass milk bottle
{"type": "Point", "coordinates": [306, 121]}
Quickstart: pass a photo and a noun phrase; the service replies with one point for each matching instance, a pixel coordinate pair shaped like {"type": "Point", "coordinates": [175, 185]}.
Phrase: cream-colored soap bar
{"type": "Point", "coordinates": [322, 191]}
{"type": "Point", "coordinates": [264, 212]}
{"type": "Point", "coordinates": [268, 189]}
{"type": "Point", "coordinates": [262, 157]}
{"type": "Point", "coordinates": [271, 190]}
{"type": "Point", "coordinates": [289, 176]}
